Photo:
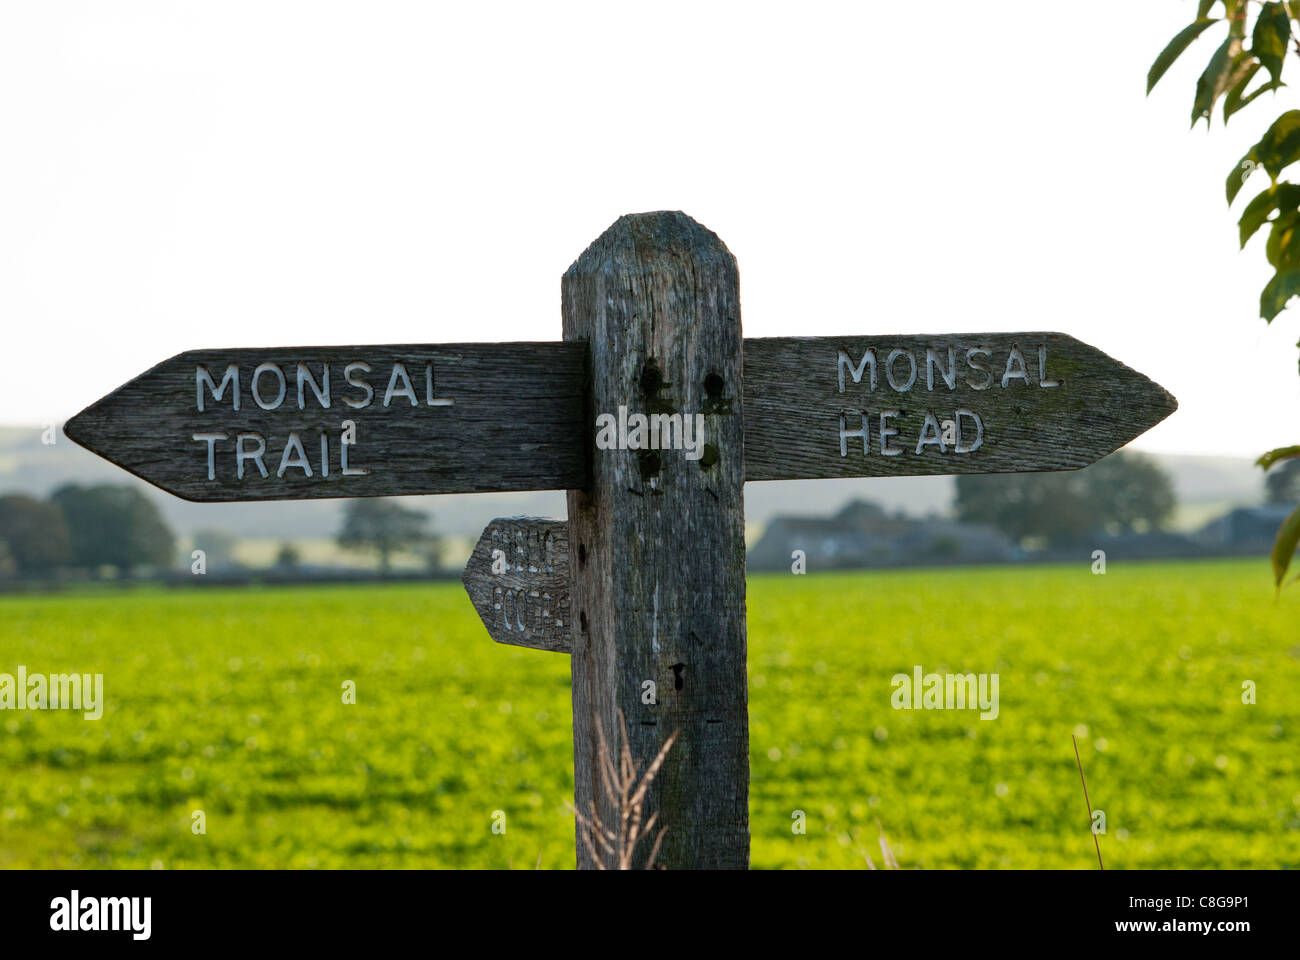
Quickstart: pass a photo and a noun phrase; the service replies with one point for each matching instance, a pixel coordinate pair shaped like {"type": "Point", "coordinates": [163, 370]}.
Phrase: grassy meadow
{"type": "Point", "coordinates": [229, 702]}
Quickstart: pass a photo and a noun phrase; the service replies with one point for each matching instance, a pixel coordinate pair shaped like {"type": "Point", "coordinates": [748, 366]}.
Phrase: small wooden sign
{"type": "Point", "coordinates": [518, 580]}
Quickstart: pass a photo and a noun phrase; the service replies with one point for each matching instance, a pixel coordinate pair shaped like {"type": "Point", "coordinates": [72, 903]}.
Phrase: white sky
{"type": "Point", "coordinates": [179, 175]}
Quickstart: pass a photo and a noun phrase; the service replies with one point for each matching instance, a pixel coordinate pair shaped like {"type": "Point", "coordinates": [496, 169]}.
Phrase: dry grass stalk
{"type": "Point", "coordinates": [625, 787]}
{"type": "Point", "coordinates": [1095, 842]}
{"type": "Point", "coordinates": [886, 852]}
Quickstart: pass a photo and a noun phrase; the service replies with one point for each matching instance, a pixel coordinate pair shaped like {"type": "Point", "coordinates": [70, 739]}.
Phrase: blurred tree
{"type": "Point", "coordinates": [35, 533]}
{"type": "Point", "coordinates": [381, 525]}
{"type": "Point", "coordinates": [1121, 493]}
{"type": "Point", "coordinates": [1130, 493]}
{"type": "Point", "coordinates": [115, 526]}
{"type": "Point", "coordinates": [430, 549]}
{"type": "Point", "coordinates": [288, 557]}
{"type": "Point", "coordinates": [1025, 505]}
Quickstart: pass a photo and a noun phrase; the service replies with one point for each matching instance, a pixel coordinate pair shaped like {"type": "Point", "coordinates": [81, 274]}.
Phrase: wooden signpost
{"type": "Point", "coordinates": [652, 414]}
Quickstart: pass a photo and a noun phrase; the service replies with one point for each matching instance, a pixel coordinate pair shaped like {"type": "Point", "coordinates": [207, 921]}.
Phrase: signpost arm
{"type": "Point", "coordinates": [657, 541]}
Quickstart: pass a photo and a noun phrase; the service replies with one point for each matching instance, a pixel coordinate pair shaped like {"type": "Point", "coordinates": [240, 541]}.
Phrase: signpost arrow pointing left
{"type": "Point", "coordinates": [299, 422]}
{"type": "Point", "coordinates": [518, 580]}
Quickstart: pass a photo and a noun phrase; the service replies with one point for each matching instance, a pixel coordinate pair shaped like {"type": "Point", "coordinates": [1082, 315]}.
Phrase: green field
{"type": "Point", "coordinates": [229, 702]}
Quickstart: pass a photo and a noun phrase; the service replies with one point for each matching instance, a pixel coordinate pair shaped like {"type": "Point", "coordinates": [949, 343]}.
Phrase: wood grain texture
{"type": "Point", "coordinates": [798, 388]}
{"type": "Point", "coordinates": [526, 603]}
{"type": "Point", "coordinates": [507, 416]}
{"type": "Point", "coordinates": [517, 421]}
{"type": "Point", "coordinates": [659, 574]}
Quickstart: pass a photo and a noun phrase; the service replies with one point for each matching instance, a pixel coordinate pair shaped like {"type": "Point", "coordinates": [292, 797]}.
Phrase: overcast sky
{"type": "Point", "coordinates": [180, 175]}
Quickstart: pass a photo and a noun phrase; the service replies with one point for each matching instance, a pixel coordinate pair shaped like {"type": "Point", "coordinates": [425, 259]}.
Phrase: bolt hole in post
{"type": "Point", "coordinates": [649, 463]}
{"type": "Point", "coordinates": [651, 379]}
{"type": "Point", "coordinates": [582, 555]}
{"type": "Point", "coordinates": [715, 400]}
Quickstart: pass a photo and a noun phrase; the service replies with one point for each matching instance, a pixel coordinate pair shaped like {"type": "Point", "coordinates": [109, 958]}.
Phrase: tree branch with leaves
{"type": "Point", "coordinates": [1233, 75]}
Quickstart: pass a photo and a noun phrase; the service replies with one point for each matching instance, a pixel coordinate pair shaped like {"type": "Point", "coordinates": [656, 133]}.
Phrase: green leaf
{"type": "Point", "coordinates": [1280, 196]}
{"type": "Point", "coordinates": [1277, 456]}
{"type": "Point", "coordinates": [1175, 48]}
{"type": "Point", "coordinates": [1280, 145]}
{"type": "Point", "coordinates": [1203, 8]}
{"type": "Point", "coordinates": [1230, 108]}
{"type": "Point", "coordinates": [1240, 80]}
{"type": "Point", "coordinates": [1284, 547]}
{"type": "Point", "coordinates": [1256, 214]}
{"type": "Point", "coordinates": [1283, 247]}
{"type": "Point", "coordinates": [1276, 293]}
{"type": "Point", "coordinates": [1237, 178]}
{"type": "Point", "coordinates": [1269, 40]}
{"type": "Point", "coordinates": [1214, 81]}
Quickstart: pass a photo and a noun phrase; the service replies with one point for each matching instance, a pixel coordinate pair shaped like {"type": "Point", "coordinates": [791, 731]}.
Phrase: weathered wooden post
{"type": "Point", "coordinates": [658, 589]}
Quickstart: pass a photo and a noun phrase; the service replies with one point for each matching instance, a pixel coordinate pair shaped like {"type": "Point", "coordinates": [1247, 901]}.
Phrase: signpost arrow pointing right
{"type": "Point", "coordinates": [939, 404]}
